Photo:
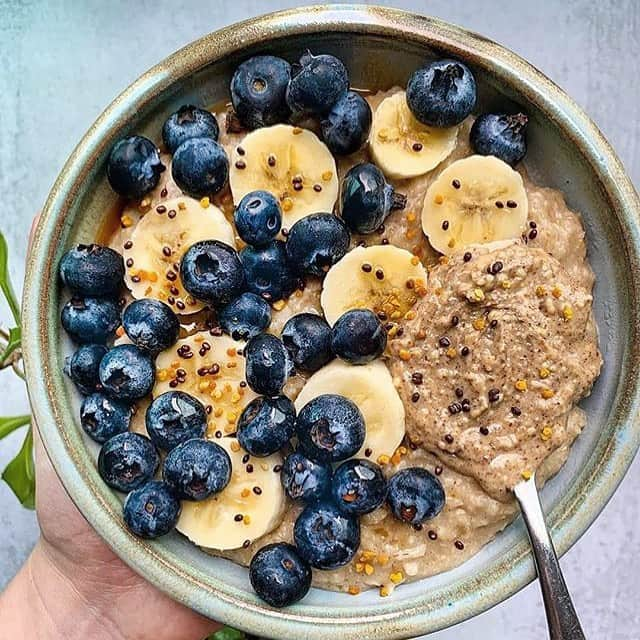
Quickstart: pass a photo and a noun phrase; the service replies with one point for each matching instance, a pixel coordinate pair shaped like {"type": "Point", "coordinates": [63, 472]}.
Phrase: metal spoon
{"type": "Point", "coordinates": [561, 615]}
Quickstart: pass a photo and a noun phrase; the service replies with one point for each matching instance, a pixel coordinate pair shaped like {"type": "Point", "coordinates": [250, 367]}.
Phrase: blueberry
{"type": "Point", "coordinates": [268, 272]}
{"type": "Point", "coordinates": [415, 495]}
{"type": "Point", "coordinates": [330, 428]}
{"type": "Point", "coordinates": [200, 167]}
{"type": "Point", "coordinates": [358, 336]}
{"type": "Point", "coordinates": [210, 270]}
{"type": "Point", "coordinates": [197, 469]}
{"type": "Point", "coordinates": [317, 83]}
{"type": "Point", "coordinates": [173, 418]}
{"type": "Point", "coordinates": [304, 479]}
{"type": "Point", "coordinates": [91, 319]}
{"type": "Point", "coordinates": [258, 218]}
{"type": "Point", "coordinates": [134, 167]}
{"type": "Point", "coordinates": [152, 510]}
{"type": "Point", "coordinates": [307, 337]}
{"type": "Point", "coordinates": [92, 270]}
{"type": "Point", "coordinates": [279, 575]}
{"type": "Point", "coordinates": [82, 367]}
{"type": "Point", "coordinates": [441, 94]}
{"type": "Point", "coordinates": [500, 135]}
{"type": "Point", "coordinates": [317, 242]}
{"type": "Point", "coordinates": [258, 90]}
{"type": "Point", "coordinates": [151, 324]}
{"type": "Point", "coordinates": [245, 317]}
{"type": "Point", "coordinates": [266, 425]}
{"type": "Point", "coordinates": [359, 487]}
{"type": "Point", "coordinates": [346, 127]}
{"type": "Point", "coordinates": [186, 123]}
{"type": "Point", "coordinates": [127, 373]}
{"type": "Point", "coordinates": [102, 417]}
{"type": "Point", "coordinates": [326, 538]}
{"type": "Point", "coordinates": [127, 461]}
{"type": "Point", "coordinates": [267, 364]}
{"type": "Point", "coordinates": [366, 198]}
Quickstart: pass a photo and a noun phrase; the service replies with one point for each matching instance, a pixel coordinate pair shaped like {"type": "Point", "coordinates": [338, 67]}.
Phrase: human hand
{"type": "Point", "coordinates": [74, 586]}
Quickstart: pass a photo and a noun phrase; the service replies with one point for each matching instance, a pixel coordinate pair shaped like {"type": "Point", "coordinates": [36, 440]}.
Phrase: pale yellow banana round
{"type": "Point", "coordinates": [251, 505]}
{"type": "Point", "coordinates": [476, 200]}
{"type": "Point", "coordinates": [289, 162]}
{"type": "Point", "coordinates": [213, 372]}
{"type": "Point", "coordinates": [402, 146]}
{"type": "Point", "coordinates": [384, 278]}
{"type": "Point", "coordinates": [158, 242]}
{"type": "Point", "coordinates": [370, 387]}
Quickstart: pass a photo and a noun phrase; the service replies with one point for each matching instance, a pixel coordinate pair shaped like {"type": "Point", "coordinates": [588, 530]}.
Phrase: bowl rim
{"type": "Point", "coordinates": [571, 517]}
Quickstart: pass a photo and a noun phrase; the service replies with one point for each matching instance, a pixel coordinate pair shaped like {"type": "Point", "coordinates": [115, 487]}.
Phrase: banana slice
{"type": "Point", "coordinates": [476, 200]}
{"type": "Point", "coordinates": [402, 146]}
{"type": "Point", "coordinates": [213, 371]}
{"type": "Point", "coordinates": [159, 241]}
{"type": "Point", "coordinates": [292, 164]}
{"type": "Point", "coordinates": [371, 387]}
{"type": "Point", "coordinates": [383, 278]}
{"type": "Point", "coordinates": [251, 505]}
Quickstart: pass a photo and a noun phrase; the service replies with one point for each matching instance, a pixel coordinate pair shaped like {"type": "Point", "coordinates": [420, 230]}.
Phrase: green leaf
{"type": "Point", "coordinates": [5, 280]}
{"type": "Point", "coordinates": [11, 423]}
{"type": "Point", "coordinates": [20, 474]}
{"type": "Point", "coordinates": [15, 340]}
{"type": "Point", "coordinates": [227, 633]}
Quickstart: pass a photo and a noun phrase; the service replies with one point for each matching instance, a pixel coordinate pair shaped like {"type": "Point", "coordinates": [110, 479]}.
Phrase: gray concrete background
{"type": "Point", "coordinates": [61, 63]}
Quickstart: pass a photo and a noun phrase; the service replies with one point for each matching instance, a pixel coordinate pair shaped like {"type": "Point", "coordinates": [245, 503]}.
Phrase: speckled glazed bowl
{"type": "Point", "coordinates": [380, 47]}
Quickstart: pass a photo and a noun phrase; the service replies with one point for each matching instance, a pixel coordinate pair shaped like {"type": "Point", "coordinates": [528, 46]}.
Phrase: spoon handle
{"type": "Point", "coordinates": [561, 616]}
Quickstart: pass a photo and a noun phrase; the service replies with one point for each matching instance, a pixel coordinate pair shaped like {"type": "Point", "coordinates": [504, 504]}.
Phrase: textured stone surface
{"type": "Point", "coordinates": [63, 62]}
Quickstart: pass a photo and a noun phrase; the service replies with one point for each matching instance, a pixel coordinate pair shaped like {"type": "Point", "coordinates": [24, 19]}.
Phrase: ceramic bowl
{"type": "Point", "coordinates": [381, 47]}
